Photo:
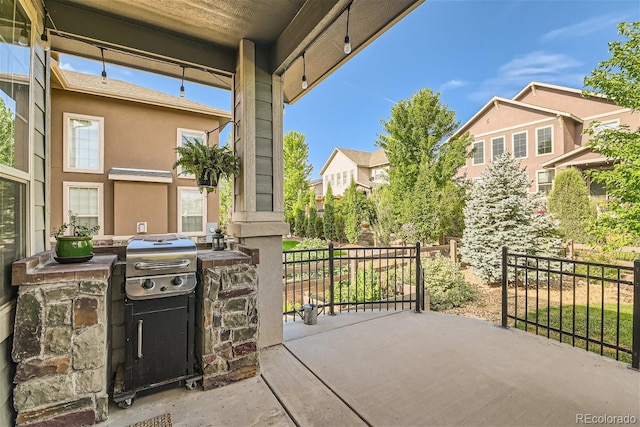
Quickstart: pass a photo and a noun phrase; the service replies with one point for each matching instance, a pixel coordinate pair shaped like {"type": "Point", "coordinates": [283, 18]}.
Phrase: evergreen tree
{"type": "Point", "coordinates": [354, 210]}
{"type": "Point", "coordinates": [501, 212]}
{"type": "Point", "coordinates": [329, 217]}
{"type": "Point", "coordinates": [385, 224]}
{"type": "Point", "coordinates": [313, 215]}
{"type": "Point", "coordinates": [569, 203]}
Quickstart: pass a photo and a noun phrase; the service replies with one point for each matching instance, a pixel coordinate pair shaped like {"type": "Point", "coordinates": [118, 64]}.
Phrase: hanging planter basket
{"type": "Point", "coordinates": [208, 164]}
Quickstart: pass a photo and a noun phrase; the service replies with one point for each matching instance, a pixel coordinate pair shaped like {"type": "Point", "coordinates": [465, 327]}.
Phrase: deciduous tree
{"type": "Point", "coordinates": [297, 170]}
{"type": "Point", "coordinates": [423, 158]}
{"type": "Point", "coordinates": [618, 78]}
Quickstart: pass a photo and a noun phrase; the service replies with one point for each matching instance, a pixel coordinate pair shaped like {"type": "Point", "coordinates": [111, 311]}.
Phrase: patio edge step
{"type": "Point", "coordinates": [305, 398]}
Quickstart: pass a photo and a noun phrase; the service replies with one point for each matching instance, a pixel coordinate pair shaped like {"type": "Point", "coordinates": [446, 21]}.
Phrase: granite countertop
{"type": "Point", "coordinates": [43, 268]}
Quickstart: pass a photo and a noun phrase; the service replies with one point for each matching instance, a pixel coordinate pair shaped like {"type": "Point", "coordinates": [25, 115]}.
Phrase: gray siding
{"type": "Point", "coordinates": [39, 173]}
{"type": "Point", "coordinates": [264, 134]}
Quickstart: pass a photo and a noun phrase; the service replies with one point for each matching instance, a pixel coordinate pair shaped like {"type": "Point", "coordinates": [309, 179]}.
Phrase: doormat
{"type": "Point", "coordinates": [159, 421]}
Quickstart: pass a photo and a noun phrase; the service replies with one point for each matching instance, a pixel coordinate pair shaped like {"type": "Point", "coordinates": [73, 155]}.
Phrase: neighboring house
{"type": "Point", "coordinates": [112, 155]}
{"type": "Point", "coordinates": [366, 168]}
{"type": "Point", "coordinates": [543, 127]}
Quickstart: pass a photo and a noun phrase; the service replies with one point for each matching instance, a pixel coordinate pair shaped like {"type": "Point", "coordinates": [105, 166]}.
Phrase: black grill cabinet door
{"type": "Point", "coordinates": [159, 340]}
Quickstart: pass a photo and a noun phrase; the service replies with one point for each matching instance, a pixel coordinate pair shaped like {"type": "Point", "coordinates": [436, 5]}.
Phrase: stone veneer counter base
{"type": "Point", "coordinates": [61, 340]}
{"type": "Point", "coordinates": [227, 315]}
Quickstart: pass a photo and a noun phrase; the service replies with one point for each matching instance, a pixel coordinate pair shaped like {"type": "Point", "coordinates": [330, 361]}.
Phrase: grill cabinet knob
{"type": "Point", "coordinates": [177, 281]}
{"type": "Point", "coordinates": [148, 284]}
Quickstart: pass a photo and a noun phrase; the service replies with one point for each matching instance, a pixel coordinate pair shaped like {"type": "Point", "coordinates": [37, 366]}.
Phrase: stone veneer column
{"type": "Point", "coordinates": [227, 316]}
{"type": "Point", "coordinates": [60, 341]}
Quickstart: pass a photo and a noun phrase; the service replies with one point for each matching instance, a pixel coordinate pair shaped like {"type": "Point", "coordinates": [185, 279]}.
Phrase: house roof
{"type": "Point", "coordinates": [117, 89]}
{"type": "Point", "coordinates": [498, 100]}
{"type": "Point", "coordinates": [363, 159]}
{"type": "Point", "coordinates": [581, 156]}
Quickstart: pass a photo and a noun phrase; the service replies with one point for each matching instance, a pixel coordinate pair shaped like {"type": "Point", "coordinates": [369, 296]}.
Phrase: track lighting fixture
{"type": "Point", "coordinates": [104, 70]}
{"type": "Point", "coordinates": [304, 73]}
{"type": "Point", "coordinates": [24, 36]}
{"type": "Point", "coordinates": [347, 41]}
{"type": "Point", "coordinates": [182, 85]}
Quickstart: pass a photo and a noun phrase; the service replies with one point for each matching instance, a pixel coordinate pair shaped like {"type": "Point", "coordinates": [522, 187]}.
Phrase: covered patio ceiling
{"type": "Point", "coordinates": [203, 36]}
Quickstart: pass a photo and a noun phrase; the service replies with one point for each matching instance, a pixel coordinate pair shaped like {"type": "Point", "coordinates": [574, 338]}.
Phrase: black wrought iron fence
{"type": "Point", "coordinates": [352, 279]}
{"type": "Point", "coordinates": [586, 304]}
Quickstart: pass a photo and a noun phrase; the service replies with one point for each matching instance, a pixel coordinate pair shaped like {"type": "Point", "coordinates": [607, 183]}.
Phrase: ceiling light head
{"type": "Point", "coordinates": [347, 45]}
{"type": "Point", "coordinates": [104, 69]}
{"type": "Point", "coordinates": [305, 84]}
{"type": "Point", "coordinates": [347, 40]}
{"type": "Point", "coordinates": [182, 85]}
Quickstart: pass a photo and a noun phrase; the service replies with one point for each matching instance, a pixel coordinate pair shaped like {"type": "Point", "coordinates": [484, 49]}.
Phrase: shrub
{"type": "Point", "coordinates": [446, 284]}
{"type": "Point", "coordinates": [366, 288]}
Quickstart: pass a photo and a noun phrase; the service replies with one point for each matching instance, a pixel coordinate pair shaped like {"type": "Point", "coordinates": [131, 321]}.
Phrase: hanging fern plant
{"type": "Point", "coordinates": [208, 163]}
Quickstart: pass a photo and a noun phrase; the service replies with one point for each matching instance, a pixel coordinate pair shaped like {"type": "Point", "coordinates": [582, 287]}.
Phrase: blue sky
{"type": "Point", "coordinates": [467, 50]}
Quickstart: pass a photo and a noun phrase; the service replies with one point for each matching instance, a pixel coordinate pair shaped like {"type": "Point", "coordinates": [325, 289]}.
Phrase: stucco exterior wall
{"type": "Point", "coordinates": [136, 136]}
{"type": "Point", "coordinates": [339, 164]}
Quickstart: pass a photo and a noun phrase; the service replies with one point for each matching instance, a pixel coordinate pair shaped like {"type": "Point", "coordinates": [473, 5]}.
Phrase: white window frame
{"type": "Point", "coordinates": [66, 185]}
{"type": "Point", "coordinates": [526, 144]}
{"type": "Point", "coordinates": [66, 167]}
{"type": "Point", "coordinates": [609, 124]}
{"type": "Point", "coordinates": [180, 132]}
{"type": "Point", "coordinates": [538, 183]}
{"type": "Point", "coordinates": [180, 189]}
{"type": "Point", "coordinates": [473, 159]}
{"type": "Point", "coordinates": [504, 146]}
{"type": "Point", "coordinates": [538, 154]}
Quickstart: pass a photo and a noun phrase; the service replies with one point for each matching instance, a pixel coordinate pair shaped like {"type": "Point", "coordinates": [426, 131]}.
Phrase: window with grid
{"type": "Point", "coordinates": [609, 125]}
{"type": "Point", "coordinates": [545, 180]}
{"type": "Point", "coordinates": [192, 209]}
{"type": "Point", "coordinates": [85, 201]}
{"type": "Point", "coordinates": [188, 135]}
{"type": "Point", "coordinates": [478, 154]}
{"type": "Point", "coordinates": [338, 175]}
{"type": "Point", "coordinates": [83, 143]}
{"type": "Point", "coordinates": [543, 140]}
{"type": "Point", "coordinates": [520, 145]}
{"type": "Point", "coordinates": [497, 147]}
{"type": "Point", "coordinates": [344, 177]}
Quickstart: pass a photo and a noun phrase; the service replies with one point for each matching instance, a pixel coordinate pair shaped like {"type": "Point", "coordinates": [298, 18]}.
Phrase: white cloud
{"type": "Point", "coordinates": [452, 84]}
{"type": "Point", "coordinates": [583, 28]}
{"type": "Point", "coordinates": [66, 66]}
{"type": "Point", "coordinates": [539, 66]}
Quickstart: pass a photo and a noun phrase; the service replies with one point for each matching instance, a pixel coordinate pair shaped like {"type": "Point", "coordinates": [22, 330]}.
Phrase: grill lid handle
{"type": "Point", "coordinates": [161, 265]}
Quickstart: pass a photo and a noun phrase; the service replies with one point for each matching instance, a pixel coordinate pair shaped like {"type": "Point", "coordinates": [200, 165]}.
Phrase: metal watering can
{"type": "Point", "coordinates": [309, 314]}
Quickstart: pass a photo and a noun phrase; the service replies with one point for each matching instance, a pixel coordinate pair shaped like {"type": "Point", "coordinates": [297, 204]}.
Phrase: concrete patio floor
{"type": "Point", "coordinates": [406, 369]}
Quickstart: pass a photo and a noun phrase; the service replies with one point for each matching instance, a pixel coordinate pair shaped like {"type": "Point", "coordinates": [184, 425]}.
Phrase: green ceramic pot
{"type": "Point", "coordinates": [74, 246]}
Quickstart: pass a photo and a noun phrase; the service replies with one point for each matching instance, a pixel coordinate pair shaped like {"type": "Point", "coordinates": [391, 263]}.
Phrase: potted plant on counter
{"type": "Point", "coordinates": [77, 244]}
{"type": "Point", "coordinates": [208, 163]}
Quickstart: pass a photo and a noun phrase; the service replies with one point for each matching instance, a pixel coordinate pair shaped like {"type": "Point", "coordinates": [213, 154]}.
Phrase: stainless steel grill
{"type": "Point", "coordinates": [160, 266]}
{"type": "Point", "coordinates": [159, 309]}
